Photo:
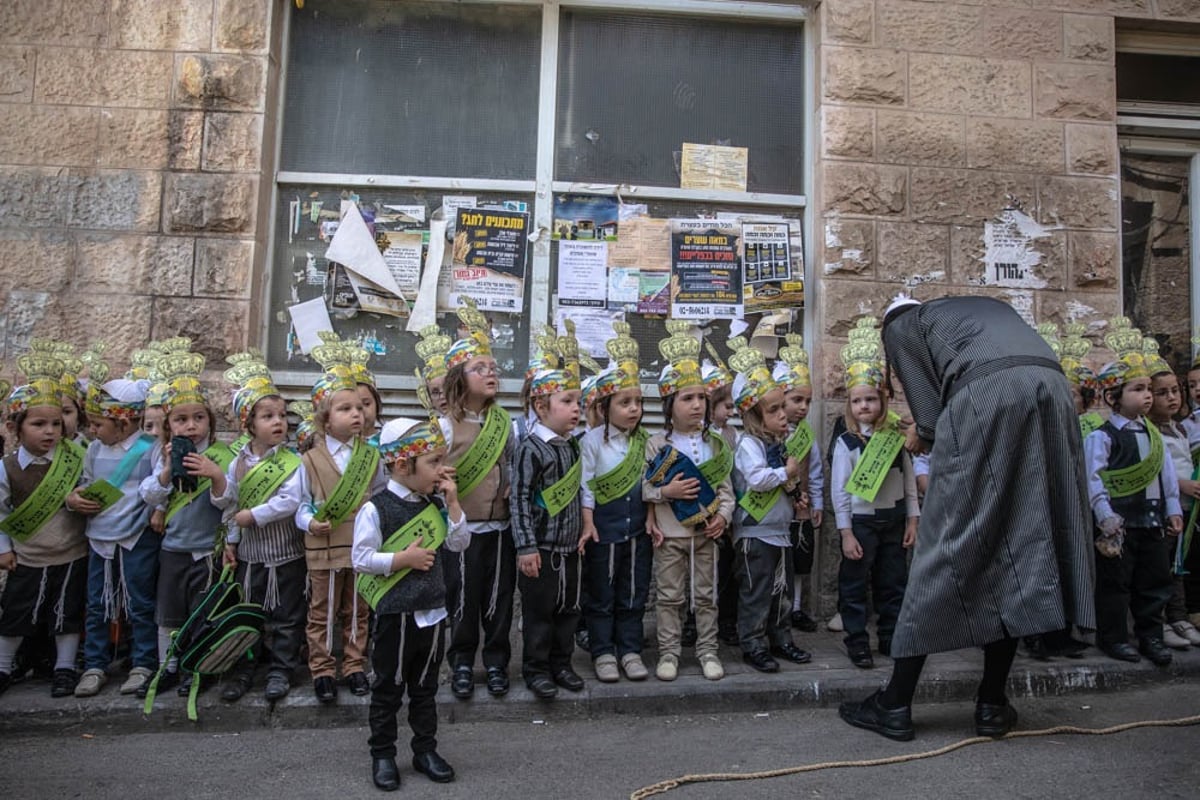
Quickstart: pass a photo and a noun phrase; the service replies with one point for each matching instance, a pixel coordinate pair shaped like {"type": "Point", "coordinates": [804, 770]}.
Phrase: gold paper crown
{"type": "Point", "coordinates": [545, 352]}
{"type": "Point", "coordinates": [1049, 332]}
{"type": "Point", "coordinates": [42, 371]}
{"type": "Point", "coordinates": [717, 373]}
{"type": "Point", "coordinates": [478, 340]}
{"type": "Point", "coordinates": [336, 360]}
{"type": "Point", "coordinates": [141, 361]}
{"type": "Point", "coordinates": [681, 350]}
{"type": "Point", "coordinates": [252, 378]}
{"type": "Point", "coordinates": [305, 411]}
{"type": "Point", "coordinates": [861, 355]}
{"type": "Point", "coordinates": [431, 349]}
{"type": "Point", "coordinates": [1155, 363]}
{"type": "Point", "coordinates": [180, 371]}
{"type": "Point", "coordinates": [753, 380]}
{"type": "Point", "coordinates": [568, 349]}
{"type": "Point", "coordinates": [1072, 350]}
{"type": "Point", "coordinates": [1126, 341]}
{"type": "Point", "coordinates": [437, 438]}
{"type": "Point", "coordinates": [1196, 351]}
{"type": "Point", "coordinates": [97, 375]}
{"type": "Point", "coordinates": [357, 355]}
{"type": "Point", "coordinates": [623, 349]}
{"type": "Point", "coordinates": [796, 358]}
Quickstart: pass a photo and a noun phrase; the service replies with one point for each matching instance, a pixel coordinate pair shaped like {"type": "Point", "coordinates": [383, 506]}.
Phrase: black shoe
{"type": "Point", "coordinates": [185, 685]}
{"type": "Point", "coordinates": [885, 646]}
{"type": "Point", "coordinates": [1122, 651]}
{"type": "Point", "coordinates": [1156, 651]}
{"type": "Point", "coordinates": [63, 685]}
{"type": "Point", "coordinates": [235, 686]}
{"type": "Point", "coordinates": [801, 621]}
{"type": "Point", "coordinates": [868, 714]}
{"type": "Point", "coordinates": [761, 660]}
{"type": "Point", "coordinates": [1036, 647]}
{"type": "Point", "coordinates": [358, 684]}
{"type": "Point", "coordinates": [688, 636]}
{"type": "Point", "coordinates": [326, 691]}
{"type": "Point", "coordinates": [166, 683]}
{"type": "Point", "coordinates": [6, 681]}
{"type": "Point", "coordinates": [278, 685]}
{"type": "Point", "coordinates": [994, 720]}
{"type": "Point", "coordinates": [1071, 647]}
{"type": "Point", "coordinates": [792, 653]}
{"type": "Point", "coordinates": [463, 682]}
{"type": "Point", "coordinates": [433, 767]}
{"type": "Point", "coordinates": [567, 679]}
{"type": "Point", "coordinates": [497, 682]}
{"type": "Point", "coordinates": [384, 773]}
{"type": "Point", "coordinates": [583, 641]}
{"type": "Point", "coordinates": [542, 687]}
{"type": "Point", "coordinates": [860, 656]}
{"type": "Point", "coordinates": [727, 634]}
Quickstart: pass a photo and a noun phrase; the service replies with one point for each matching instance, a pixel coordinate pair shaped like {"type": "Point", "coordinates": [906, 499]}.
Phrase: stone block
{"type": "Point", "coordinates": [1092, 149]}
{"type": "Point", "coordinates": [1095, 260]}
{"type": "Point", "coordinates": [115, 200]}
{"type": "Point", "coordinates": [210, 203]}
{"type": "Point", "coordinates": [847, 132]}
{"type": "Point", "coordinates": [1015, 145]}
{"type": "Point", "coordinates": [232, 142]}
{"type": "Point", "coordinates": [32, 198]}
{"type": "Point", "coordinates": [830, 379]}
{"type": "Point", "coordinates": [866, 76]}
{"type": "Point", "coordinates": [36, 260]}
{"type": "Point", "coordinates": [1135, 7]}
{"type": "Point", "coordinates": [867, 189]}
{"type": "Point", "coordinates": [23, 311]}
{"type": "Point", "coordinates": [1021, 33]}
{"type": "Point", "coordinates": [216, 327]}
{"type": "Point", "coordinates": [62, 136]}
{"type": "Point", "coordinates": [119, 320]}
{"type": "Point", "coordinates": [969, 85]}
{"type": "Point", "coordinates": [224, 268]}
{"type": "Point", "coordinates": [846, 301]}
{"type": "Point", "coordinates": [929, 27]}
{"type": "Point", "coordinates": [130, 78]}
{"type": "Point", "coordinates": [143, 265]}
{"type": "Point", "coordinates": [1091, 308]}
{"type": "Point", "coordinates": [16, 74]}
{"type": "Point", "coordinates": [220, 82]}
{"type": "Point", "coordinates": [138, 138]}
{"type": "Point", "coordinates": [967, 253]}
{"type": "Point", "coordinates": [1078, 202]}
{"type": "Point", "coordinates": [155, 25]}
{"type": "Point", "coordinates": [1178, 9]}
{"type": "Point", "coordinates": [81, 23]}
{"type": "Point", "coordinates": [1088, 38]}
{"type": "Point", "coordinates": [912, 138]}
{"type": "Point", "coordinates": [966, 197]}
{"type": "Point", "coordinates": [1074, 91]}
{"type": "Point", "coordinates": [242, 25]}
{"type": "Point", "coordinates": [849, 250]}
{"type": "Point", "coordinates": [914, 254]}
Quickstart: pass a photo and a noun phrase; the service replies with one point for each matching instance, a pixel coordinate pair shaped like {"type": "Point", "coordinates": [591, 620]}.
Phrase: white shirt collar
{"type": "Point", "coordinates": [128, 443]}
{"type": "Point", "coordinates": [402, 491]}
{"type": "Point", "coordinates": [25, 458]}
{"type": "Point", "coordinates": [544, 433]}
{"type": "Point", "coordinates": [616, 433]}
{"type": "Point", "coordinates": [333, 445]}
{"type": "Point", "coordinates": [1119, 421]}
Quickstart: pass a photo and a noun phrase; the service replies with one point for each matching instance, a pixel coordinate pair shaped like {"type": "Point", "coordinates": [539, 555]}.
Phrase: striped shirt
{"type": "Point", "coordinates": [541, 459]}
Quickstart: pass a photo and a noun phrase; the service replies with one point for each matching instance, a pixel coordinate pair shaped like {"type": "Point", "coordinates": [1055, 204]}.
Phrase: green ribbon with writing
{"type": "Point", "coordinates": [757, 504]}
{"type": "Point", "coordinates": [429, 526]}
{"type": "Point", "coordinates": [237, 444]}
{"type": "Point", "coordinates": [257, 485]}
{"type": "Point", "coordinates": [1089, 423]}
{"type": "Point", "coordinates": [720, 466]}
{"type": "Point", "coordinates": [484, 452]}
{"type": "Point", "coordinates": [217, 452]}
{"type": "Point", "coordinates": [800, 442]}
{"type": "Point", "coordinates": [620, 480]}
{"type": "Point", "coordinates": [348, 493]}
{"type": "Point", "coordinates": [558, 495]}
{"type": "Point", "coordinates": [106, 491]}
{"type": "Point", "coordinates": [36, 510]}
{"type": "Point", "coordinates": [877, 458]}
{"type": "Point", "coordinates": [1131, 480]}
{"type": "Point", "coordinates": [1185, 541]}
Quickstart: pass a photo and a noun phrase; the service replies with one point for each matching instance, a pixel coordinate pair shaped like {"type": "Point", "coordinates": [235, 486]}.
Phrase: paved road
{"type": "Point", "coordinates": [610, 757]}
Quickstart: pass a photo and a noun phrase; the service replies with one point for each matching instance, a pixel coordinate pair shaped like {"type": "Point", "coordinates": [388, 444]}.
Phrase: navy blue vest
{"type": "Point", "coordinates": [417, 591]}
{"type": "Point", "coordinates": [1135, 509]}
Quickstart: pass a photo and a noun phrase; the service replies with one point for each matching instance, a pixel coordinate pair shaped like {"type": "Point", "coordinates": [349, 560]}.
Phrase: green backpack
{"type": "Point", "coordinates": [215, 636]}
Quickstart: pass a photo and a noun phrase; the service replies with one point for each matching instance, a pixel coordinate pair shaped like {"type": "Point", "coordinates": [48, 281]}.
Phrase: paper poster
{"type": "Point", "coordinates": [706, 273]}
{"type": "Point", "coordinates": [375, 299]}
{"type": "Point", "coordinates": [489, 255]}
{"type": "Point", "coordinates": [772, 266]}
{"type": "Point", "coordinates": [644, 243]}
{"type": "Point", "coordinates": [593, 328]}
{"type": "Point", "coordinates": [585, 217]}
{"type": "Point", "coordinates": [706, 166]}
{"type": "Point", "coordinates": [424, 310]}
{"type": "Point", "coordinates": [354, 247]}
{"type": "Point", "coordinates": [403, 259]}
{"type": "Point", "coordinates": [623, 283]}
{"type": "Point", "coordinates": [582, 274]}
{"type": "Point", "coordinates": [339, 291]}
{"type": "Point", "coordinates": [654, 296]}
{"type": "Point", "coordinates": [308, 320]}
{"type": "Point", "coordinates": [1010, 253]}
{"type": "Point", "coordinates": [453, 202]}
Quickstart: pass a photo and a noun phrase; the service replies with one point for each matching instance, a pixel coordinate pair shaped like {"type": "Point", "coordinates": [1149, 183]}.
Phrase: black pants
{"type": "Point", "coordinates": [549, 614]}
{"type": "Point", "coordinates": [491, 570]}
{"type": "Point", "coordinates": [616, 586]}
{"type": "Point", "coordinates": [1139, 582]}
{"type": "Point", "coordinates": [283, 633]}
{"type": "Point", "coordinates": [727, 585]}
{"type": "Point", "coordinates": [883, 565]}
{"type": "Point", "coordinates": [405, 658]}
{"type": "Point", "coordinates": [764, 594]}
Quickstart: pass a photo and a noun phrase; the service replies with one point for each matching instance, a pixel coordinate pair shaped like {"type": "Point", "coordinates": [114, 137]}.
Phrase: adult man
{"type": "Point", "coordinates": [1004, 547]}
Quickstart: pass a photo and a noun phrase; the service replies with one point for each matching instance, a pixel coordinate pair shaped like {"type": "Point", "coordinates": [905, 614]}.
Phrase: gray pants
{"type": "Point", "coordinates": [765, 576]}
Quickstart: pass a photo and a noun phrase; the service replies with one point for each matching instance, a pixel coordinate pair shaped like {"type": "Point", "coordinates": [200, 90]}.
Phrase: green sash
{"type": "Point", "coordinates": [237, 444]}
{"type": "Point", "coordinates": [1089, 422]}
{"type": "Point", "coordinates": [757, 504]}
{"type": "Point", "coordinates": [217, 452]}
{"type": "Point", "coordinates": [106, 491]}
{"type": "Point", "coordinates": [429, 526]}
{"type": "Point", "coordinates": [557, 496]}
{"type": "Point", "coordinates": [875, 461]}
{"type": "Point", "coordinates": [484, 452]}
{"type": "Point", "coordinates": [800, 442]}
{"type": "Point", "coordinates": [257, 485]}
{"type": "Point", "coordinates": [356, 480]}
{"type": "Point", "coordinates": [1131, 480]}
{"type": "Point", "coordinates": [720, 466]}
{"type": "Point", "coordinates": [1185, 541]}
{"type": "Point", "coordinates": [620, 480]}
{"type": "Point", "coordinates": [65, 468]}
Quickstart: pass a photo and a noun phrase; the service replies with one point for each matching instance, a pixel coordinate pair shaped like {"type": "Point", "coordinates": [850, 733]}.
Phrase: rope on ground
{"type": "Point", "coordinates": [662, 787]}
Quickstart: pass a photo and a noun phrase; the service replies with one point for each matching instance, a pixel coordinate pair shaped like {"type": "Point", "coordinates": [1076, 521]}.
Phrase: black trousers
{"type": "Point", "coordinates": [283, 633]}
{"type": "Point", "coordinates": [616, 586]}
{"type": "Point", "coordinates": [1139, 582]}
{"type": "Point", "coordinates": [765, 586]}
{"type": "Point", "coordinates": [727, 585]}
{"type": "Point", "coordinates": [550, 613]}
{"type": "Point", "coordinates": [885, 567]}
{"type": "Point", "coordinates": [491, 573]}
{"type": "Point", "coordinates": [405, 658]}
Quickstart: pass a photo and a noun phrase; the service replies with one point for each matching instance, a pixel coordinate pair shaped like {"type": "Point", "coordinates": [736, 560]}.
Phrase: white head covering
{"type": "Point", "coordinates": [124, 390]}
{"type": "Point", "coordinates": [396, 428]}
{"type": "Point", "coordinates": [900, 301]}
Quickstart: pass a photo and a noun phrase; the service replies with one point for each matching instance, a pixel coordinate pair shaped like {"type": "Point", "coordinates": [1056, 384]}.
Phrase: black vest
{"type": "Point", "coordinates": [1135, 509]}
{"type": "Point", "coordinates": [898, 511]}
{"type": "Point", "coordinates": [416, 591]}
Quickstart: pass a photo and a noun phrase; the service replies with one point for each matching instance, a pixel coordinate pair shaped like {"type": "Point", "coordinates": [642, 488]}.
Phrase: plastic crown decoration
{"type": "Point", "coordinates": [861, 355]}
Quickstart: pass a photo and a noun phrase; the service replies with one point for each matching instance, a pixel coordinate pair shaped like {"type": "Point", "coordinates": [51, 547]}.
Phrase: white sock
{"type": "Point", "coordinates": [164, 644]}
{"type": "Point", "coordinates": [796, 596]}
{"type": "Point", "coordinates": [66, 647]}
{"type": "Point", "coordinates": [8, 651]}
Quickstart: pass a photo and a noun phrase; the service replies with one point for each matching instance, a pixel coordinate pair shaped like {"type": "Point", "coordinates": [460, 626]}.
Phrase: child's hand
{"type": "Point", "coordinates": [414, 557]}
{"type": "Point", "coordinates": [656, 534]}
{"type": "Point", "coordinates": [82, 505]}
{"type": "Point", "coordinates": [229, 557]}
{"type": "Point", "coordinates": [589, 534]}
{"type": "Point", "coordinates": [8, 561]}
{"type": "Point", "coordinates": [1189, 488]}
{"type": "Point", "coordinates": [447, 485]}
{"type": "Point", "coordinates": [244, 519]}
{"type": "Point", "coordinates": [815, 517]}
{"type": "Point", "coordinates": [681, 488]}
{"type": "Point", "coordinates": [158, 520]}
{"type": "Point", "coordinates": [910, 532]}
{"type": "Point", "coordinates": [530, 565]}
{"type": "Point", "coordinates": [715, 527]}
{"type": "Point", "coordinates": [164, 477]}
{"type": "Point", "coordinates": [851, 549]}
{"type": "Point", "coordinates": [1174, 524]}
{"type": "Point", "coordinates": [913, 442]}
{"type": "Point", "coordinates": [792, 466]}
{"type": "Point", "coordinates": [202, 466]}
{"type": "Point", "coordinates": [319, 528]}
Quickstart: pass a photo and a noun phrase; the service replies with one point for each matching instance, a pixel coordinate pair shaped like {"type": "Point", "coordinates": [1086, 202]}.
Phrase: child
{"type": "Point", "coordinates": [617, 553]}
{"type": "Point", "coordinates": [547, 523]}
{"type": "Point", "coordinates": [431, 349]}
{"type": "Point", "coordinates": [190, 534]}
{"type": "Point", "coordinates": [1134, 495]}
{"type": "Point", "coordinates": [718, 384]}
{"type": "Point", "coordinates": [123, 563]}
{"type": "Point", "coordinates": [42, 545]}
{"type": "Point", "coordinates": [482, 579]}
{"type": "Point", "coordinates": [690, 490]}
{"type": "Point", "coordinates": [876, 514]}
{"type": "Point", "coordinates": [764, 477]}
{"type": "Point", "coordinates": [406, 588]}
{"type": "Point", "coordinates": [261, 498]}
{"type": "Point", "coordinates": [338, 472]}
{"type": "Point", "coordinates": [74, 414]}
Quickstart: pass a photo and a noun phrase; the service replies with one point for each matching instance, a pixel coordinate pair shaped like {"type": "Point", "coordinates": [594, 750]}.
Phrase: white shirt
{"type": "Point", "coordinates": [894, 489]}
{"type": "Point", "coordinates": [485, 526]}
{"type": "Point", "coordinates": [1096, 449]}
{"type": "Point", "coordinates": [284, 503]}
{"type": "Point", "coordinates": [340, 451]}
{"type": "Point", "coordinates": [751, 461]}
{"type": "Point", "coordinates": [24, 459]}
{"type": "Point", "coordinates": [600, 457]}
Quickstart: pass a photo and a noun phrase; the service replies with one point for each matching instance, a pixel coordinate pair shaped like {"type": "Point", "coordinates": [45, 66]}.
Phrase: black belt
{"type": "Point", "coordinates": [996, 365]}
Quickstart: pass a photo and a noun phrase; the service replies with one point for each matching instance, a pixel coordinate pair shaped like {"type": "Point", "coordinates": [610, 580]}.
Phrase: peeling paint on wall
{"type": "Point", "coordinates": [1009, 254]}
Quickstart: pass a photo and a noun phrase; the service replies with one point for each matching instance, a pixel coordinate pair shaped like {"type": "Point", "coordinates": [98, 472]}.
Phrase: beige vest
{"type": "Point", "coordinates": [332, 551]}
{"type": "Point", "coordinates": [489, 500]}
{"type": "Point", "coordinates": [61, 539]}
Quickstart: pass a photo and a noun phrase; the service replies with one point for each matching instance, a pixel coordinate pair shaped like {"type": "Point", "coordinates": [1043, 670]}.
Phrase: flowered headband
{"type": "Point", "coordinates": [753, 380]}
{"type": "Point", "coordinates": [566, 379]}
{"type": "Point", "coordinates": [335, 358]}
{"type": "Point", "coordinates": [715, 373]}
{"type": "Point", "coordinates": [407, 438]}
{"type": "Point", "coordinates": [477, 342]}
{"type": "Point", "coordinates": [252, 380]}
{"type": "Point", "coordinates": [681, 350]}
{"type": "Point", "coordinates": [305, 411]}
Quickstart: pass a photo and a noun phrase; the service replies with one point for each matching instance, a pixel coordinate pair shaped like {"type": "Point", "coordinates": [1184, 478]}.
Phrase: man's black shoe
{"type": "Point", "coordinates": [433, 766]}
{"type": "Point", "coordinates": [463, 682]}
{"type": "Point", "coordinates": [1036, 647]}
{"type": "Point", "coordinates": [497, 682]}
{"type": "Point", "coordinates": [994, 720]}
{"type": "Point", "coordinates": [761, 660]}
{"type": "Point", "coordinates": [567, 679]}
{"type": "Point", "coordinates": [384, 773]}
{"type": "Point", "coordinates": [168, 681]}
{"type": "Point", "coordinates": [869, 715]}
